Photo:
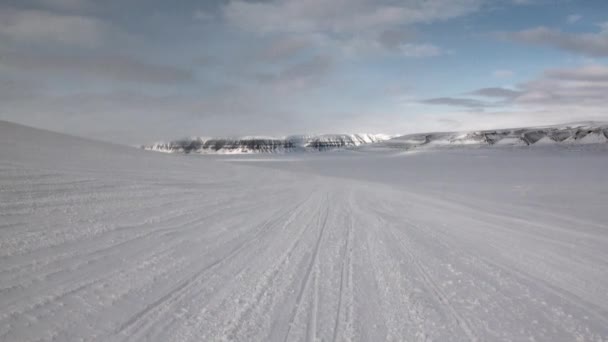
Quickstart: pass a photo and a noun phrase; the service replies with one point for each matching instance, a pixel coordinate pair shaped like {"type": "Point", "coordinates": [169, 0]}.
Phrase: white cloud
{"type": "Point", "coordinates": [66, 4]}
{"type": "Point", "coordinates": [589, 44]}
{"type": "Point", "coordinates": [573, 18]}
{"type": "Point", "coordinates": [420, 50]}
{"type": "Point", "coordinates": [107, 67]}
{"type": "Point", "coordinates": [202, 15]}
{"type": "Point", "coordinates": [585, 86]}
{"type": "Point", "coordinates": [580, 87]}
{"type": "Point", "coordinates": [35, 26]}
{"type": "Point", "coordinates": [300, 76]}
{"type": "Point", "coordinates": [352, 27]}
{"type": "Point", "coordinates": [340, 16]}
{"type": "Point", "coordinates": [285, 48]}
{"type": "Point", "coordinates": [503, 73]}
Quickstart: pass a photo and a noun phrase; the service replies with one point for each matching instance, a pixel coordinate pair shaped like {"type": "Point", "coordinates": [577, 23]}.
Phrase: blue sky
{"type": "Point", "coordinates": [136, 71]}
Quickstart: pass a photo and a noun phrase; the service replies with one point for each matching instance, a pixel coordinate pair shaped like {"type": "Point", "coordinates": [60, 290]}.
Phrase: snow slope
{"type": "Point", "coordinates": [100, 242]}
{"type": "Point", "coordinates": [252, 144]}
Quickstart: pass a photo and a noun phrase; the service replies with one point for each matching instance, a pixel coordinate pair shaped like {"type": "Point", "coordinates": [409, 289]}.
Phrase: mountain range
{"type": "Point", "coordinates": [575, 133]}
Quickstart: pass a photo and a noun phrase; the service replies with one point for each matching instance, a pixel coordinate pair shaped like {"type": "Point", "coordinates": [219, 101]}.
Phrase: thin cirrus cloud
{"type": "Point", "coordinates": [298, 75]}
{"type": "Point", "coordinates": [44, 27]}
{"type": "Point", "coordinates": [340, 16]}
{"type": "Point", "coordinates": [588, 73]}
{"type": "Point", "coordinates": [573, 18]}
{"type": "Point", "coordinates": [457, 102]}
{"type": "Point", "coordinates": [356, 27]}
{"type": "Point", "coordinates": [584, 86]}
{"type": "Point", "coordinates": [501, 73]}
{"type": "Point", "coordinates": [284, 48]}
{"type": "Point", "coordinates": [108, 67]}
{"type": "Point", "coordinates": [588, 44]}
{"type": "Point", "coordinates": [420, 50]}
{"type": "Point", "coordinates": [496, 92]}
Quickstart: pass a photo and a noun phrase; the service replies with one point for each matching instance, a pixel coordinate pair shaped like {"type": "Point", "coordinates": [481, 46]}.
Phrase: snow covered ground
{"type": "Point", "coordinates": [111, 243]}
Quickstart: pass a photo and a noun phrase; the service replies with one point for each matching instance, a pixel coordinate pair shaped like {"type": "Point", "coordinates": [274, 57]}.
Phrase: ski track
{"type": "Point", "coordinates": [120, 244]}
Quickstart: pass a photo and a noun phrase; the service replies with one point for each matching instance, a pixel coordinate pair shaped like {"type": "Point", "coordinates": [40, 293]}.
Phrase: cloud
{"type": "Point", "coordinates": [500, 97]}
{"type": "Point", "coordinates": [420, 50]}
{"type": "Point", "coordinates": [314, 66]}
{"type": "Point", "coordinates": [457, 102]}
{"type": "Point", "coordinates": [340, 16]}
{"type": "Point", "coordinates": [503, 73]}
{"type": "Point", "coordinates": [114, 67]}
{"type": "Point", "coordinates": [285, 48]}
{"type": "Point", "coordinates": [573, 18]}
{"type": "Point", "coordinates": [589, 73]}
{"type": "Point", "coordinates": [502, 93]}
{"type": "Point", "coordinates": [581, 87]}
{"type": "Point", "coordinates": [43, 27]}
{"type": "Point", "coordinates": [61, 6]}
{"type": "Point", "coordinates": [585, 86]}
{"type": "Point", "coordinates": [202, 15]}
{"type": "Point", "coordinates": [12, 90]}
{"type": "Point", "coordinates": [301, 75]}
{"type": "Point", "coordinates": [393, 39]}
{"type": "Point", "coordinates": [135, 117]}
{"type": "Point", "coordinates": [588, 44]}
{"type": "Point", "coordinates": [352, 27]}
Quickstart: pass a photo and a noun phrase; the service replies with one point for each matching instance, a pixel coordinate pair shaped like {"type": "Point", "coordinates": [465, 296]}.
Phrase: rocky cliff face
{"type": "Point", "coordinates": [266, 144]}
{"type": "Point", "coordinates": [583, 133]}
{"type": "Point", "coordinates": [587, 133]}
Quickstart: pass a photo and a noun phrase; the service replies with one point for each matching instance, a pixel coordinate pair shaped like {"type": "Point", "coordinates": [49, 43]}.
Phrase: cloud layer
{"type": "Point", "coordinates": [136, 71]}
{"type": "Point", "coordinates": [590, 44]}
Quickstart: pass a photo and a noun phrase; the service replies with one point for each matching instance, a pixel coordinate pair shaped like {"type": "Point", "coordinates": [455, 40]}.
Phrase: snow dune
{"type": "Point", "coordinates": [100, 242]}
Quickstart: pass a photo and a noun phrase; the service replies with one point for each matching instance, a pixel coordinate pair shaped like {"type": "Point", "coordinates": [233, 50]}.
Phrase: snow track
{"type": "Point", "coordinates": [109, 243]}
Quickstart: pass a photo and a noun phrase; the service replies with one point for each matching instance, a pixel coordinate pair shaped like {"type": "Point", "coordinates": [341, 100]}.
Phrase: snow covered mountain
{"type": "Point", "coordinates": [575, 133]}
{"type": "Point", "coordinates": [580, 133]}
{"type": "Point", "coordinates": [266, 144]}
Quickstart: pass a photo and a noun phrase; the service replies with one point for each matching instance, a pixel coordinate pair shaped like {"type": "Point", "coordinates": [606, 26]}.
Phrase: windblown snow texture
{"type": "Point", "coordinates": [100, 242]}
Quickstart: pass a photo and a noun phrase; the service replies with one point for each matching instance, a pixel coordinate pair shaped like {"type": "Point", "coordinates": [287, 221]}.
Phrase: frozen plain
{"type": "Point", "coordinates": [100, 242]}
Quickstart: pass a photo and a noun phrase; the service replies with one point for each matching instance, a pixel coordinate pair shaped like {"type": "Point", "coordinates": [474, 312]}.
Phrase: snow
{"type": "Point", "coordinates": [111, 243]}
{"type": "Point", "coordinates": [545, 141]}
{"type": "Point", "coordinates": [511, 142]}
{"type": "Point", "coordinates": [594, 138]}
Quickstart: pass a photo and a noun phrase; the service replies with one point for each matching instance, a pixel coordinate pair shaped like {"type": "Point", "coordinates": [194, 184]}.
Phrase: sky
{"type": "Point", "coordinates": [138, 71]}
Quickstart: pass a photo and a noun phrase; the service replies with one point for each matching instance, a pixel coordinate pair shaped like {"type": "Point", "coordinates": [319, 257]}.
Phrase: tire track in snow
{"type": "Point", "coordinates": [305, 283]}
{"type": "Point", "coordinates": [72, 285]}
{"type": "Point", "coordinates": [80, 252]}
{"type": "Point", "coordinates": [521, 276]}
{"type": "Point", "coordinates": [430, 284]}
{"type": "Point", "coordinates": [178, 292]}
{"type": "Point", "coordinates": [268, 278]}
{"type": "Point", "coordinates": [345, 276]}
